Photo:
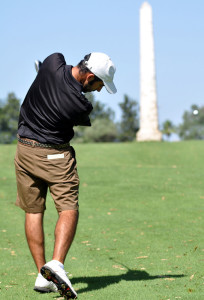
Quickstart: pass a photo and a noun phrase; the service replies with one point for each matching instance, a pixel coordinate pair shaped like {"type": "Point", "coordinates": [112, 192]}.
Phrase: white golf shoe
{"type": "Point", "coordinates": [44, 286]}
{"type": "Point", "coordinates": [56, 274]}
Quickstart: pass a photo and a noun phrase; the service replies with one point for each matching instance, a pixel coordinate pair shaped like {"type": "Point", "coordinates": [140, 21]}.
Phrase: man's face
{"type": "Point", "coordinates": [92, 85]}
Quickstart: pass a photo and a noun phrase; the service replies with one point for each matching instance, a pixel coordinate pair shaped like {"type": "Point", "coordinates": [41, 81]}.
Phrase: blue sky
{"type": "Point", "coordinates": [32, 30]}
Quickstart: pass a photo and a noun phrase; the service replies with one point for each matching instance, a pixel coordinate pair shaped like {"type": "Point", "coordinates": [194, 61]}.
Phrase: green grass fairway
{"type": "Point", "coordinates": [140, 234]}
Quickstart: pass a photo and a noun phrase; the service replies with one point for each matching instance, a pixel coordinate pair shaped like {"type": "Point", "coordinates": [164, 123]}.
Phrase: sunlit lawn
{"type": "Point", "coordinates": [140, 234]}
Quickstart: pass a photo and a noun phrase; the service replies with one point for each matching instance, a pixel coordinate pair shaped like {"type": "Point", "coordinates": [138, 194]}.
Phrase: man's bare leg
{"type": "Point", "coordinates": [54, 270]}
{"type": "Point", "coordinates": [64, 233]}
{"type": "Point", "coordinates": [35, 237]}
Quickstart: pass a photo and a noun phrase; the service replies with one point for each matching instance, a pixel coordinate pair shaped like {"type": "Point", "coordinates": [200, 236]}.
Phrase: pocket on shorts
{"type": "Point", "coordinates": [73, 152]}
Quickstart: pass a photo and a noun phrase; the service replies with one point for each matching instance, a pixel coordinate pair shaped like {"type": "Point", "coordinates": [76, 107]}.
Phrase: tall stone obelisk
{"type": "Point", "coordinates": [149, 128]}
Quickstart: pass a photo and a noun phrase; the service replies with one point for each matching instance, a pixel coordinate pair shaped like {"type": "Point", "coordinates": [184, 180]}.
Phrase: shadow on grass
{"type": "Point", "coordinates": [100, 282]}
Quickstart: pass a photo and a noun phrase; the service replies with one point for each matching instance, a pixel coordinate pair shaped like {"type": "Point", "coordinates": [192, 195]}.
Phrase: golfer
{"type": "Point", "coordinates": [44, 159]}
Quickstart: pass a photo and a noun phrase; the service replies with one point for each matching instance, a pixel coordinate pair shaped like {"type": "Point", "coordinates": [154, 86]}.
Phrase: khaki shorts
{"type": "Point", "coordinates": [38, 169]}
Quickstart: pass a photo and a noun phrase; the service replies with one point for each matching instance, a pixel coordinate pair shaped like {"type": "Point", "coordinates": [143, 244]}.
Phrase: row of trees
{"type": "Point", "coordinates": [192, 127]}
{"type": "Point", "coordinates": [104, 128]}
{"type": "Point", "coordinates": [9, 113]}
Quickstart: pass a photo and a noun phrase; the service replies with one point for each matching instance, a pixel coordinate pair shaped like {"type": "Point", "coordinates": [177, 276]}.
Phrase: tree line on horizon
{"type": "Point", "coordinates": [104, 128]}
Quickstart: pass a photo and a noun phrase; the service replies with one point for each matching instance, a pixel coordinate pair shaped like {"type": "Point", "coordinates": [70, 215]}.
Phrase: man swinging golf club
{"type": "Point", "coordinates": [44, 159]}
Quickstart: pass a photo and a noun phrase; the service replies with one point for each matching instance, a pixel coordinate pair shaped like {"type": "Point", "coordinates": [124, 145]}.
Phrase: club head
{"type": "Point", "coordinates": [37, 65]}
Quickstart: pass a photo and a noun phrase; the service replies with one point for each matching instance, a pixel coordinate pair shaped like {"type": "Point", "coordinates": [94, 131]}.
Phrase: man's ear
{"type": "Point", "coordinates": [90, 77]}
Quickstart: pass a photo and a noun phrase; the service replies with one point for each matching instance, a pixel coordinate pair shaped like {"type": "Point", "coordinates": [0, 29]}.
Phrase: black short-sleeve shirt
{"type": "Point", "coordinates": [53, 104]}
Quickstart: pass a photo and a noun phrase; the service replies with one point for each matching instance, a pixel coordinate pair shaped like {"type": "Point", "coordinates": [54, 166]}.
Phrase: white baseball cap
{"type": "Point", "coordinates": [101, 65]}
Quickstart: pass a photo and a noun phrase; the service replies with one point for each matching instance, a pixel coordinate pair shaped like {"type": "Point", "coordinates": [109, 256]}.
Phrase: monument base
{"type": "Point", "coordinates": [148, 136]}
